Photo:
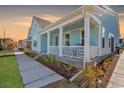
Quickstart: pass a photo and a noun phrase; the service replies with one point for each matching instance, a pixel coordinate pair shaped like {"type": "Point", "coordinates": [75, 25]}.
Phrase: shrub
{"type": "Point", "coordinates": [30, 54]}
{"type": "Point", "coordinates": [50, 59]}
{"type": "Point", "coordinates": [69, 66]}
{"type": "Point", "coordinates": [21, 49]}
{"type": "Point", "coordinates": [43, 58]}
{"type": "Point", "coordinates": [27, 52]}
{"type": "Point", "coordinates": [105, 64]}
{"type": "Point", "coordinates": [33, 54]}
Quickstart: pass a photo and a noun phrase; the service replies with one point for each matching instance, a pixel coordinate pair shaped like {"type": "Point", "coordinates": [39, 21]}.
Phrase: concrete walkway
{"type": "Point", "coordinates": [117, 78]}
{"type": "Point", "coordinates": [34, 74]}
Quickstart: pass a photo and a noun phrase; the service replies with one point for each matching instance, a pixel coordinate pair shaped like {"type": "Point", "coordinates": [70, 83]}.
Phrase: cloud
{"type": "Point", "coordinates": [23, 18]}
{"type": "Point", "coordinates": [26, 21]}
{"type": "Point", "coordinates": [50, 18]}
{"type": "Point", "coordinates": [15, 32]}
{"type": "Point", "coordinates": [26, 24]}
{"type": "Point", "coordinates": [22, 21]}
{"type": "Point", "coordinates": [20, 26]}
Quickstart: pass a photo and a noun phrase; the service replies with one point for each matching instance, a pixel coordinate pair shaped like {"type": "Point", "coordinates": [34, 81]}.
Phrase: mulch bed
{"type": "Point", "coordinates": [107, 75]}
{"type": "Point", "coordinates": [61, 84]}
{"type": "Point", "coordinates": [61, 69]}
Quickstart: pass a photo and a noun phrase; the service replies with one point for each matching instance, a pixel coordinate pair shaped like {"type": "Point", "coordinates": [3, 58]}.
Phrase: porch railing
{"type": "Point", "coordinates": [73, 51]}
{"type": "Point", "coordinates": [54, 50]}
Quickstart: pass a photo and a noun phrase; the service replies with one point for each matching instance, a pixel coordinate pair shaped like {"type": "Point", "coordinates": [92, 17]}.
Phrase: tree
{"type": "Point", "coordinates": [1, 44]}
{"type": "Point", "coordinates": [6, 43]}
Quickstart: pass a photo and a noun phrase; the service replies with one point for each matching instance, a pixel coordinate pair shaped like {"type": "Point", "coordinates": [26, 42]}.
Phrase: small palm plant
{"type": "Point", "coordinates": [92, 73]}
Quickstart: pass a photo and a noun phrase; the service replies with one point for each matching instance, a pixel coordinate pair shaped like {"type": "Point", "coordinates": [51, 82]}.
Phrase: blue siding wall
{"type": "Point", "coordinates": [94, 37]}
{"type": "Point", "coordinates": [35, 29]}
{"type": "Point", "coordinates": [75, 37]}
{"type": "Point", "coordinates": [109, 22]}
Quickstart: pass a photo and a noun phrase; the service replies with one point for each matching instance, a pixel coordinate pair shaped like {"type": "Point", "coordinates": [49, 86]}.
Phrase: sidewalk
{"type": "Point", "coordinates": [34, 74]}
{"type": "Point", "coordinates": [117, 78]}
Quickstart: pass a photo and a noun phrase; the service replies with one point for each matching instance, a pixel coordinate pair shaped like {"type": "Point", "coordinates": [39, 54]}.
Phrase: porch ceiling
{"type": "Point", "coordinates": [55, 31]}
{"type": "Point", "coordinates": [74, 25]}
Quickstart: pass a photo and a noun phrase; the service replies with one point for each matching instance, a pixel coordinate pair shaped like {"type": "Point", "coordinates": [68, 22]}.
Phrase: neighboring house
{"type": "Point", "coordinates": [88, 32]}
{"type": "Point", "coordinates": [15, 45]}
{"type": "Point", "coordinates": [23, 43]}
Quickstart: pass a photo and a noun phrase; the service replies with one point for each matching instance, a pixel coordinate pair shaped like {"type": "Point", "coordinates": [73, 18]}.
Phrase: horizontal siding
{"type": "Point", "coordinates": [109, 22]}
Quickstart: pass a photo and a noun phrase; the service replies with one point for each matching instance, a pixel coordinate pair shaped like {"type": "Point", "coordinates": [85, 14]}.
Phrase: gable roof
{"type": "Point", "coordinates": [97, 8]}
{"type": "Point", "coordinates": [42, 22]}
{"type": "Point", "coordinates": [45, 25]}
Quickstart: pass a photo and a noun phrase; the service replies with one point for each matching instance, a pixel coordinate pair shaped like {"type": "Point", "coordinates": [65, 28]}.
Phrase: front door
{"type": "Point", "coordinates": [44, 43]}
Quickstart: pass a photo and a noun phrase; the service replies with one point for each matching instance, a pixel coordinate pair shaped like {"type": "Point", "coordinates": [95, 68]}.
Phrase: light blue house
{"type": "Point", "coordinates": [88, 32]}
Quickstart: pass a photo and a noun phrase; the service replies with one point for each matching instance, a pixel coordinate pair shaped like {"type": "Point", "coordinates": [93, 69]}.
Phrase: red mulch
{"type": "Point", "coordinates": [107, 75]}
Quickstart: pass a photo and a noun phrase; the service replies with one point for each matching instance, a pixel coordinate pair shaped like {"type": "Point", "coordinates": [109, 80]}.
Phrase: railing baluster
{"type": "Point", "coordinates": [70, 51]}
{"type": "Point", "coordinates": [73, 51]}
{"type": "Point", "coordinates": [54, 50]}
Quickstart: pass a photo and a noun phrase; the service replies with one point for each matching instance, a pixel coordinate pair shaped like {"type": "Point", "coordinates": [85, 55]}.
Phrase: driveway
{"type": "Point", "coordinates": [34, 74]}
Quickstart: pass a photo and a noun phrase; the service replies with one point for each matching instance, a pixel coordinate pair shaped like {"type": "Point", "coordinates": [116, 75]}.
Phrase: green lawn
{"type": "Point", "coordinates": [5, 53]}
{"type": "Point", "coordinates": [9, 73]}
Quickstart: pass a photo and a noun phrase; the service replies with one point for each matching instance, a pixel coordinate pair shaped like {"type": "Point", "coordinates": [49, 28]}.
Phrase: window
{"type": "Point", "coordinates": [56, 40]}
{"type": "Point", "coordinates": [82, 37]}
{"type": "Point", "coordinates": [35, 24]}
{"type": "Point", "coordinates": [103, 37]}
{"type": "Point", "coordinates": [67, 39]}
{"type": "Point", "coordinates": [120, 41]}
{"type": "Point", "coordinates": [103, 42]}
{"type": "Point", "coordinates": [109, 40]}
{"type": "Point", "coordinates": [35, 43]}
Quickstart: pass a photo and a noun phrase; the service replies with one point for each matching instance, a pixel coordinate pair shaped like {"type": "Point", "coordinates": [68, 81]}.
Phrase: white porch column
{"type": "Point", "coordinates": [60, 40]}
{"type": "Point", "coordinates": [86, 38]}
{"type": "Point", "coordinates": [48, 42]}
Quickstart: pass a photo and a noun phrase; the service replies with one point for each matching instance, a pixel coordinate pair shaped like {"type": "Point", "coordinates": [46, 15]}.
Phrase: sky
{"type": "Point", "coordinates": [16, 20]}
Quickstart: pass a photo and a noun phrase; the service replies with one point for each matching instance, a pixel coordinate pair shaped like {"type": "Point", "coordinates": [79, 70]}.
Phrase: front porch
{"type": "Point", "coordinates": [79, 39]}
